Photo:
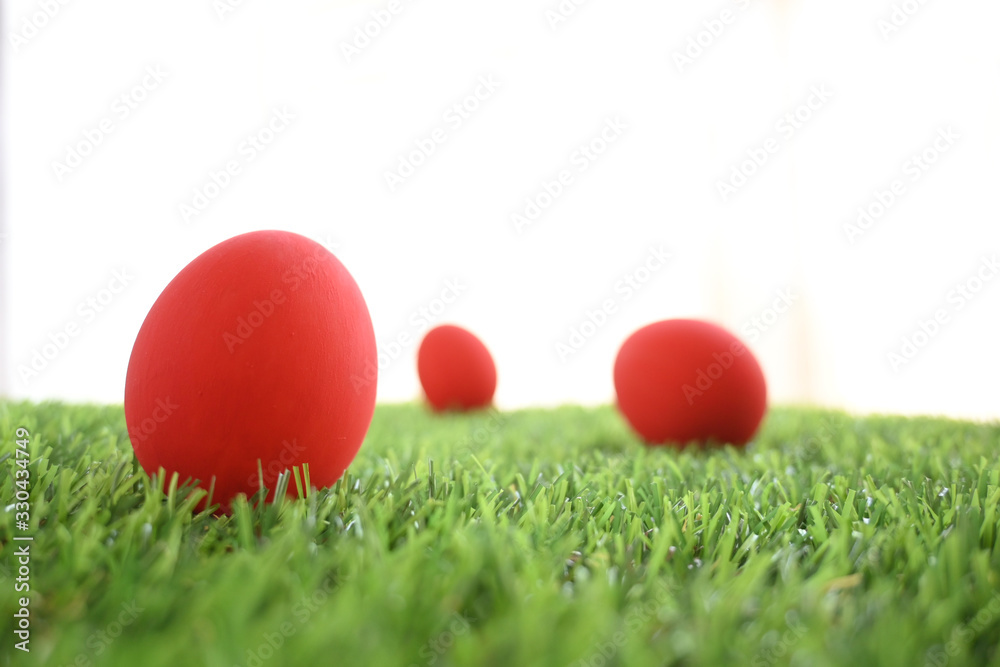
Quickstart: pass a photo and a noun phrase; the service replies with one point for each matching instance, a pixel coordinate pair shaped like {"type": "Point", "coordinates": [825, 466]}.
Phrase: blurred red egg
{"type": "Point", "coordinates": [456, 370]}
{"type": "Point", "coordinates": [260, 349]}
{"type": "Point", "coordinates": [680, 381]}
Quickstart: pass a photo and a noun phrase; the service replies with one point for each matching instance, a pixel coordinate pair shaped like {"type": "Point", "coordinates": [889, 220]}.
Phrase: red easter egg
{"type": "Point", "coordinates": [260, 349]}
{"type": "Point", "coordinates": [456, 370]}
{"type": "Point", "coordinates": [686, 380]}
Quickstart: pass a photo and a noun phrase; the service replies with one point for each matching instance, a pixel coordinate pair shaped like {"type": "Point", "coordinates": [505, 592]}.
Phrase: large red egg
{"type": "Point", "coordinates": [456, 370]}
{"type": "Point", "coordinates": [680, 381]}
{"type": "Point", "coordinates": [260, 349]}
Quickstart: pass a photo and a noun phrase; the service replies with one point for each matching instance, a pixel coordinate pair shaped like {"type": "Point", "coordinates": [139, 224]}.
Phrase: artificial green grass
{"type": "Point", "coordinates": [539, 537]}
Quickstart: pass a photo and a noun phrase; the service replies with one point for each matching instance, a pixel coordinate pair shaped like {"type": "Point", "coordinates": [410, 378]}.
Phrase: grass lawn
{"type": "Point", "coordinates": [538, 537]}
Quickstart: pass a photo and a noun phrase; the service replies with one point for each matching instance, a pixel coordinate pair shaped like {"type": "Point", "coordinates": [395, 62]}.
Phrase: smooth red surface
{"type": "Point", "coordinates": [686, 380]}
{"type": "Point", "coordinates": [211, 387]}
{"type": "Point", "coordinates": [456, 370]}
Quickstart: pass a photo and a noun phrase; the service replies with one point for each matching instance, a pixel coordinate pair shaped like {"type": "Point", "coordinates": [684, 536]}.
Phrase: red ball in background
{"type": "Point", "coordinates": [687, 380]}
{"type": "Point", "coordinates": [260, 349]}
{"type": "Point", "coordinates": [456, 370]}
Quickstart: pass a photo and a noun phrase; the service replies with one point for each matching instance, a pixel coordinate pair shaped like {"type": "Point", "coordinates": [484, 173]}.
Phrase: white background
{"type": "Point", "coordinates": [688, 126]}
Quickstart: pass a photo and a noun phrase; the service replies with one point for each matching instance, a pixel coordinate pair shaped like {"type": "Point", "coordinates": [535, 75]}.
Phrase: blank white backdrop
{"type": "Point", "coordinates": [224, 67]}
